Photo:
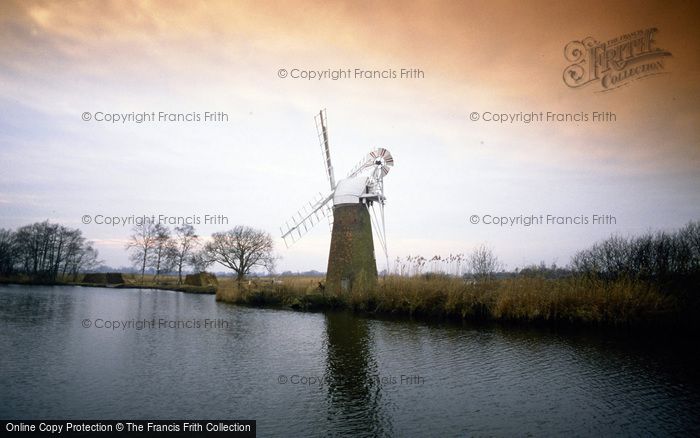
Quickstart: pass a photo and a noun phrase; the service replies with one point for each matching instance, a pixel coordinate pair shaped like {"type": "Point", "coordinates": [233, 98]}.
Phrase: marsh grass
{"type": "Point", "coordinates": [304, 293]}
{"type": "Point", "coordinates": [575, 300]}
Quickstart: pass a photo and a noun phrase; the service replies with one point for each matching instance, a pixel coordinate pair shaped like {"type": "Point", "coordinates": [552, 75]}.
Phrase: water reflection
{"type": "Point", "coordinates": [354, 382]}
{"type": "Point", "coordinates": [31, 310]}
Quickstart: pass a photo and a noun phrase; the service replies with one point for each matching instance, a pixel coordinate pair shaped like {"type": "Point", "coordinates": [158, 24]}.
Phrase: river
{"type": "Point", "coordinates": [171, 355]}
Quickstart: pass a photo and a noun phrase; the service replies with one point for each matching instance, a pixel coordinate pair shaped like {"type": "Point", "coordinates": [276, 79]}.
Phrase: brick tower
{"type": "Point", "coordinates": [351, 261]}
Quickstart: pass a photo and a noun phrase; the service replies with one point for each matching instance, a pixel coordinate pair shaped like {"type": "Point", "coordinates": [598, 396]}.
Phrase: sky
{"type": "Point", "coordinates": [60, 60]}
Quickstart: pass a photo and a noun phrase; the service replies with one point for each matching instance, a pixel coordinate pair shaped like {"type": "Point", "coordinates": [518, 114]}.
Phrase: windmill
{"type": "Point", "coordinates": [351, 261]}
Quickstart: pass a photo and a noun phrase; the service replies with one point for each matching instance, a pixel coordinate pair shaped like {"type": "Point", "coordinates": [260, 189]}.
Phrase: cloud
{"type": "Point", "coordinates": [59, 59]}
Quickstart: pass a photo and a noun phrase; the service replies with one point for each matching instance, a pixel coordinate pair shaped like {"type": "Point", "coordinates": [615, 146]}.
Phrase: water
{"type": "Point", "coordinates": [320, 374]}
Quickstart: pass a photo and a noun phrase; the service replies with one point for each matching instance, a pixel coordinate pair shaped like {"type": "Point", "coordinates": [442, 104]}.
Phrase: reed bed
{"type": "Point", "coordinates": [576, 299]}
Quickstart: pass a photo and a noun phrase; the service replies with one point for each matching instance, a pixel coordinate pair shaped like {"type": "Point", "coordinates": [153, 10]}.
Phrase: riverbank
{"type": "Point", "coordinates": [130, 282]}
{"type": "Point", "coordinates": [572, 300]}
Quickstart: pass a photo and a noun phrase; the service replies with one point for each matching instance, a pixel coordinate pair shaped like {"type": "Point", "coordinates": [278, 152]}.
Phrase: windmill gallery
{"type": "Point", "coordinates": [351, 260]}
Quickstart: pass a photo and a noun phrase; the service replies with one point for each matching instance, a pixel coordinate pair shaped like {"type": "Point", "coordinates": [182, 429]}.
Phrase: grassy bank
{"type": "Point", "coordinates": [572, 300]}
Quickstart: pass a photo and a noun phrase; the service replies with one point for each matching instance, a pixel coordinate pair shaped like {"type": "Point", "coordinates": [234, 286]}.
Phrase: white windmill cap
{"type": "Point", "coordinates": [349, 190]}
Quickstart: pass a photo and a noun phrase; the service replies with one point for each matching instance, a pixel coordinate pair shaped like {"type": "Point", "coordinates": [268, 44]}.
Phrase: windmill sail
{"type": "Point", "coordinates": [322, 130]}
{"type": "Point", "coordinates": [306, 218]}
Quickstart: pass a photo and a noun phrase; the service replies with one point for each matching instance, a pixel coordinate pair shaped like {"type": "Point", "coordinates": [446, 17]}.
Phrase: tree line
{"type": "Point", "coordinates": [660, 256]}
{"type": "Point", "coordinates": [46, 252]}
{"type": "Point", "coordinates": [51, 252]}
{"type": "Point", "coordinates": [156, 247]}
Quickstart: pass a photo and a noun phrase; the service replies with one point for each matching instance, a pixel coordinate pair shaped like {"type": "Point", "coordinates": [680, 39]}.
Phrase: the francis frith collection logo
{"type": "Point", "coordinates": [614, 63]}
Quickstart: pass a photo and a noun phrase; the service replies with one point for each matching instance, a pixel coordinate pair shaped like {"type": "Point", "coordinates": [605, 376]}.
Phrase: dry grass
{"type": "Point", "coordinates": [570, 300]}
{"type": "Point", "coordinates": [288, 291]}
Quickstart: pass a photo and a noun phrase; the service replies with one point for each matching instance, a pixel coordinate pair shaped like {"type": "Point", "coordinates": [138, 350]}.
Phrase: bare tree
{"type": "Point", "coordinates": [141, 244]}
{"type": "Point", "coordinates": [691, 235]}
{"type": "Point", "coordinates": [8, 252]}
{"type": "Point", "coordinates": [660, 256]}
{"type": "Point", "coordinates": [483, 262]}
{"type": "Point", "coordinates": [199, 260]}
{"type": "Point", "coordinates": [270, 265]}
{"type": "Point", "coordinates": [186, 242]}
{"type": "Point", "coordinates": [33, 246]}
{"type": "Point", "coordinates": [83, 260]}
{"type": "Point", "coordinates": [44, 251]}
{"type": "Point", "coordinates": [241, 249]}
{"type": "Point", "coordinates": [163, 254]}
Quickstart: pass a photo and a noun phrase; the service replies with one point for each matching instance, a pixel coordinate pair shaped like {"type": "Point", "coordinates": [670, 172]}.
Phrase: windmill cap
{"type": "Point", "coordinates": [349, 190]}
